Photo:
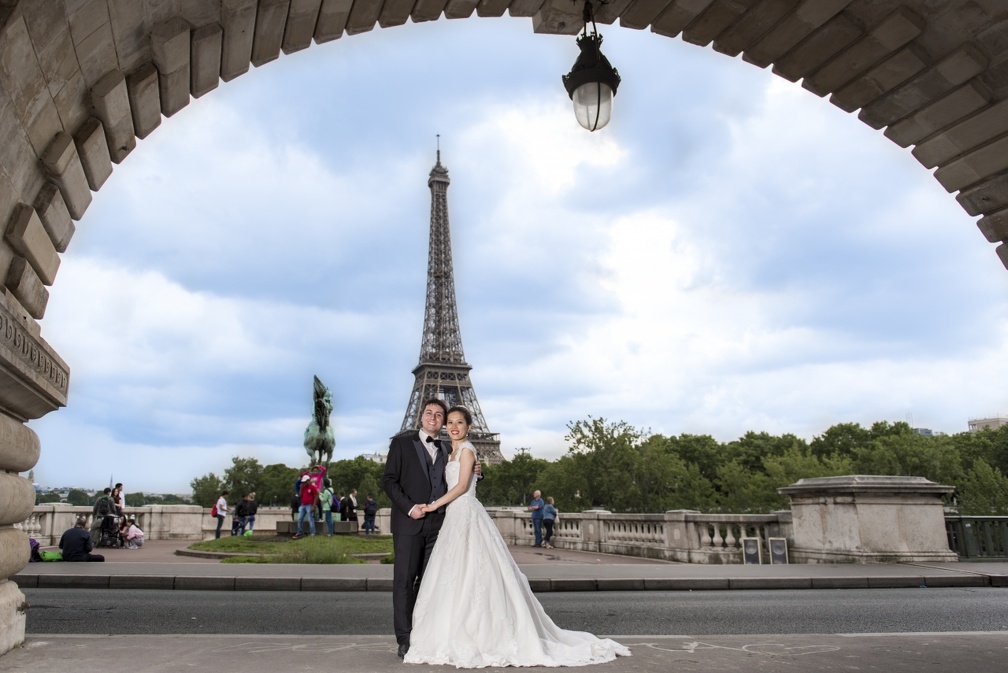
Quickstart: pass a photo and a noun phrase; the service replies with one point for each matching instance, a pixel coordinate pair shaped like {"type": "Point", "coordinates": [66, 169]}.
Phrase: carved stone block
{"type": "Point", "coordinates": [65, 168]}
{"type": "Point", "coordinates": [94, 153]}
{"type": "Point", "coordinates": [27, 235]}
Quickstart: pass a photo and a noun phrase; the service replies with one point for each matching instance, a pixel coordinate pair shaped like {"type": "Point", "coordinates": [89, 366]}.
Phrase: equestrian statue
{"type": "Point", "coordinates": [318, 437]}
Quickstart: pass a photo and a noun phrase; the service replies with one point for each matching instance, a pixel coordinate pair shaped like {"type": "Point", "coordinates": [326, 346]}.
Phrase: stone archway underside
{"type": "Point", "coordinates": [81, 80]}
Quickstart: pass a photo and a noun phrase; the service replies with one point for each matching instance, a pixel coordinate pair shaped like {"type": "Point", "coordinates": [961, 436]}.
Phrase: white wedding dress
{"type": "Point", "coordinates": [475, 608]}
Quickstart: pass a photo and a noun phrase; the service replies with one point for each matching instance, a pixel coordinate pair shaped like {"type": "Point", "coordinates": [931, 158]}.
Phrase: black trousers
{"type": "Point", "coordinates": [411, 555]}
{"type": "Point", "coordinates": [548, 525]}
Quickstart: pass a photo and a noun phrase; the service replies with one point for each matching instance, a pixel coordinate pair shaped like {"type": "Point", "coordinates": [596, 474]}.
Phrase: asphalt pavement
{"type": "Point", "coordinates": [158, 565]}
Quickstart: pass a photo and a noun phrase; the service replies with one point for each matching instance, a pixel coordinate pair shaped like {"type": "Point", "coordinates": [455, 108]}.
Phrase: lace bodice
{"type": "Point", "coordinates": [452, 472]}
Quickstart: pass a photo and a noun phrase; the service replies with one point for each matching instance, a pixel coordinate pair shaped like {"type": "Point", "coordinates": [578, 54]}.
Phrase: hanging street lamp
{"type": "Point", "coordinates": [592, 82]}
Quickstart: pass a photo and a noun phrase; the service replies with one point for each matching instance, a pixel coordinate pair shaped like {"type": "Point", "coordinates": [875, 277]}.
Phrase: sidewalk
{"type": "Point", "coordinates": [157, 565]}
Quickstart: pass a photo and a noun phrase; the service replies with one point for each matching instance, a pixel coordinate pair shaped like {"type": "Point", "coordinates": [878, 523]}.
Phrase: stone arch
{"type": "Point", "coordinates": [82, 80]}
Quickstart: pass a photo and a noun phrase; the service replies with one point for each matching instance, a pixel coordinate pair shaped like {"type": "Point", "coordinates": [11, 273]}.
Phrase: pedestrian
{"type": "Point", "coordinates": [309, 498]}
{"type": "Point", "coordinates": [549, 519]}
{"type": "Point", "coordinates": [327, 501]}
{"type": "Point", "coordinates": [238, 518]}
{"type": "Point", "coordinates": [77, 544]}
{"type": "Point", "coordinates": [251, 507]}
{"type": "Point", "coordinates": [220, 511]}
{"type": "Point", "coordinates": [134, 536]}
{"type": "Point", "coordinates": [349, 506]}
{"type": "Point", "coordinates": [370, 510]}
{"type": "Point", "coordinates": [536, 507]}
{"type": "Point", "coordinates": [104, 506]}
{"type": "Point", "coordinates": [119, 498]}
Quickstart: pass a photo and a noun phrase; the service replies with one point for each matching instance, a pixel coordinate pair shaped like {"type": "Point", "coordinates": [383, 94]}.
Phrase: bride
{"type": "Point", "coordinates": [475, 608]}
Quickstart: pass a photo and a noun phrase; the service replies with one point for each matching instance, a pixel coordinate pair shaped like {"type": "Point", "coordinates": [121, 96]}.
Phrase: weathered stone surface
{"type": "Point", "coordinates": [869, 518]}
{"type": "Point", "coordinates": [238, 22]}
{"type": "Point", "coordinates": [17, 498]}
{"type": "Point", "coordinates": [55, 217]}
{"type": "Point", "coordinates": [994, 226]}
{"type": "Point", "coordinates": [112, 106]}
{"type": "Point", "coordinates": [332, 20]}
{"type": "Point", "coordinates": [895, 31]}
{"type": "Point", "coordinates": [269, 30]}
{"type": "Point", "coordinates": [145, 99]}
{"type": "Point", "coordinates": [986, 197]}
{"type": "Point", "coordinates": [1002, 253]}
{"type": "Point", "coordinates": [34, 380]}
{"type": "Point", "coordinates": [300, 25]}
{"type": "Point", "coordinates": [491, 8]}
{"type": "Point", "coordinates": [20, 447]}
{"type": "Point", "coordinates": [973, 167]}
{"type": "Point", "coordinates": [881, 79]}
{"type": "Point", "coordinates": [27, 235]}
{"type": "Point", "coordinates": [12, 602]}
{"type": "Point", "coordinates": [94, 153]}
{"type": "Point", "coordinates": [130, 26]}
{"type": "Point", "coordinates": [397, 12]}
{"type": "Point", "coordinates": [363, 17]}
{"type": "Point", "coordinates": [952, 71]}
{"type": "Point", "coordinates": [26, 287]}
{"type": "Point", "coordinates": [965, 135]}
{"type": "Point", "coordinates": [713, 22]}
{"type": "Point", "coordinates": [93, 41]}
{"type": "Point", "coordinates": [677, 16]}
{"type": "Point", "coordinates": [64, 166]}
{"type": "Point", "coordinates": [463, 9]}
{"type": "Point", "coordinates": [170, 46]}
{"type": "Point", "coordinates": [945, 111]}
{"type": "Point", "coordinates": [807, 17]}
{"type": "Point", "coordinates": [207, 42]}
{"type": "Point", "coordinates": [838, 33]}
{"type": "Point", "coordinates": [748, 29]}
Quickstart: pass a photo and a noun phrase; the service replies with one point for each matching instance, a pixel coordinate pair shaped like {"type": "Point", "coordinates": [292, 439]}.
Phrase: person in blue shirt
{"type": "Point", "coordinates": [549, 518]}
{"type": "Point", "coordinates": [536, 507]}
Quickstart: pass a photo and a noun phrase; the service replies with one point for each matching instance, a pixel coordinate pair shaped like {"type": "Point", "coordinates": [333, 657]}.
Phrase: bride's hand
{"type": "Point", "coordinates": [427, 509]}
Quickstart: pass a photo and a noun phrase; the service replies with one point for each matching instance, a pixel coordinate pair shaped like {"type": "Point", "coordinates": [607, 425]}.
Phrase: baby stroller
{"type": "Point", "coordinates": [108, 534]}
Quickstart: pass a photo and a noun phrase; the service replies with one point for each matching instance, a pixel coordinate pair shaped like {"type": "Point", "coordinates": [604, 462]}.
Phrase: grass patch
{"type": "Point", "coordinates": [318, 549]}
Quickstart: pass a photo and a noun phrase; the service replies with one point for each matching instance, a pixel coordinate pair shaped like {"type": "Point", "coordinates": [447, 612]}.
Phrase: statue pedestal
{"type": "Point", "coordinates": [868, 519]}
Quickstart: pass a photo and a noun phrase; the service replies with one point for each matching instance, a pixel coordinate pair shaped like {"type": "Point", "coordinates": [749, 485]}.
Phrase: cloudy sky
{"type": "Point", "coordinates": [731, 253]}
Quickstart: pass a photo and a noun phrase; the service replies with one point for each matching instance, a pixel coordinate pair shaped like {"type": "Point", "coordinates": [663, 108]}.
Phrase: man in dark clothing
{"type": "Point", "coordinates": [77, 545]}
{"type": "Point", "coordinates": [104, 506]}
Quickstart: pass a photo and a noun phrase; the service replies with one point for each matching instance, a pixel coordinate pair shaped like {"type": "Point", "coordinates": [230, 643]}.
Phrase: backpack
{"type": "Point", "coordinates": [213, 510]}
{"type": "Point", "coordinates": [104, 505]}
{"type": "Point", "coordinates": [335, 504]}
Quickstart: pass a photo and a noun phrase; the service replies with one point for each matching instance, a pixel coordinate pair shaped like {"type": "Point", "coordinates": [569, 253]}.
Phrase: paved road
{"type": "Point", "coordinates": [613, 613]}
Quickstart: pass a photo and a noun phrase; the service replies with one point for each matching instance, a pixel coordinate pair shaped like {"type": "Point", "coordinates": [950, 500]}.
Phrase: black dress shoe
{"type": "Point", "coordinates": [403, 649]}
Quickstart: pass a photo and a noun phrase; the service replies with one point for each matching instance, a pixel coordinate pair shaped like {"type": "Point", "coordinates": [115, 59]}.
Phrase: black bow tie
{"type": "Point", "coordinates": [431, 440]}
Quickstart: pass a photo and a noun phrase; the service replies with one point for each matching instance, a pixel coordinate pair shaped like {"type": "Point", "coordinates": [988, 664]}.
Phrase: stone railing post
{"type": "Point", "coordinates": [868, 518]}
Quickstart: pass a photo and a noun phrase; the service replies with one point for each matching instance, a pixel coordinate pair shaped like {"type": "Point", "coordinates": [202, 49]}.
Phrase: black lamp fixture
{"type": "Point", "coordinates": [591, 83]}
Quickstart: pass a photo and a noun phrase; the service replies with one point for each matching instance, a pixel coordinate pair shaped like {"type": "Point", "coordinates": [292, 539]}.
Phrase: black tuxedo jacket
{"type": "Point", "coordinates": [409, 479]}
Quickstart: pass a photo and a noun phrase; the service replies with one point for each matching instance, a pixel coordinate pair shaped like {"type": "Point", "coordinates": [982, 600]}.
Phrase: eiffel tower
{"type": "Point", "coordinates": [442, 371]}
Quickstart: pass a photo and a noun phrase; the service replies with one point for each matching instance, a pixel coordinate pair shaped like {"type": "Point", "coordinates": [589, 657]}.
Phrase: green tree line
{"type": "Point", "coordinates": [615, 466]}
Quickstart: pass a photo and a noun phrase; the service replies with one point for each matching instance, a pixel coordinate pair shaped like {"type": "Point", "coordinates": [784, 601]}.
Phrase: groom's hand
{"type": "Point", "coordinates": [417, 511]}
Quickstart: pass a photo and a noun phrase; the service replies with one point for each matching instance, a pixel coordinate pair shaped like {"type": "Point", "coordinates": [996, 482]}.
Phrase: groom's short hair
{"type": "Point", "coordinates": [440, 403]}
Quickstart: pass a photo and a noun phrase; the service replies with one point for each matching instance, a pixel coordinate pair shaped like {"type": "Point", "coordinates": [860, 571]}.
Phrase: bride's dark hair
{"type": "Point", "coordinates": [465, 414]}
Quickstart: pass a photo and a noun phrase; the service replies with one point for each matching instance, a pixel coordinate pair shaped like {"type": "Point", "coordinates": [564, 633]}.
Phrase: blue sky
{"type": "Point", "coordinates": [731, 253]}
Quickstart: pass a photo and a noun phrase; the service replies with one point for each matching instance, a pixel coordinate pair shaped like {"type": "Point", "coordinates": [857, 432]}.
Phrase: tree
{"type": "Point", "coordinates": [608, 458]}
{"type": "Point", "coordinates": [276, 485]}
{"type": "Point", "coordinates": [51, 496]}
{"type": "Point", "coordinates": [136, 499]}
{"type": "Point", "coordinates": [513, 481]}
{"type": "Point", "coordinates": [206, 489]}
{"type": "Point", "coordinates": [243, 477]}
{"type": "Point", "coordinates": [78, 498]}
{"type": "Point", "coordinates": [741, 491]}
{"type": "Point", "coordinates": [984, 491]}
{"type": "Point", "coordinates": [843, 439]}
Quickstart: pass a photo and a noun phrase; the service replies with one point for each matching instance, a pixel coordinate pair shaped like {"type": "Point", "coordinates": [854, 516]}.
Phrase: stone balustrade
{"type": "Point", "coordinates": [680, 535]}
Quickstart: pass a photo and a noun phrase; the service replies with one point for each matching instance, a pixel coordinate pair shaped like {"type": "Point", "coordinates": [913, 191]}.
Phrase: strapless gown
{"type": "Point", "coordinates": [475, 608]}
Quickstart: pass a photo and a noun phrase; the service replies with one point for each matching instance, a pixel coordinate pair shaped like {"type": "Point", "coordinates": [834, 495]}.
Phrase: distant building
{"type": "Point", "coordinates": [992, 423]}
{"type": "Point", "coordinates": [376, 457]}
{"type": "Point", "coordinates": [928, 432]}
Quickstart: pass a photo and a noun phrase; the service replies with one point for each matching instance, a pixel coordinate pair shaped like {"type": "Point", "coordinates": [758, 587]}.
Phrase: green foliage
{"type": "Point", "coordinates": [206, 489]}
{"type": "Point", "coordinates": [78, 497]}
{"type": "Point", "coordinates": [984, 491]}
{"type": "Point", "coordinates": [51, 496]}
{"type": "Point", "coordinates": [243, 477]}
{"type": "Point", "coordinates": [276, 485]}
{"type": "Point", "coordinates": [625, 469]}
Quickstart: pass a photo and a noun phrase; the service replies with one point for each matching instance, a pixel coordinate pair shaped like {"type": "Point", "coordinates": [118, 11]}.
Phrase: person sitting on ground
{"type": "Point", "coordinates": [77, 544]}
{"type": "Point", "coordinates": [134, 536]}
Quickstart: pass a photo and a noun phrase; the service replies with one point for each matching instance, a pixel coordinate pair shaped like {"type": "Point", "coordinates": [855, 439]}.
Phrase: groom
{"type": "Point", "coordinates": [414, 476]}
